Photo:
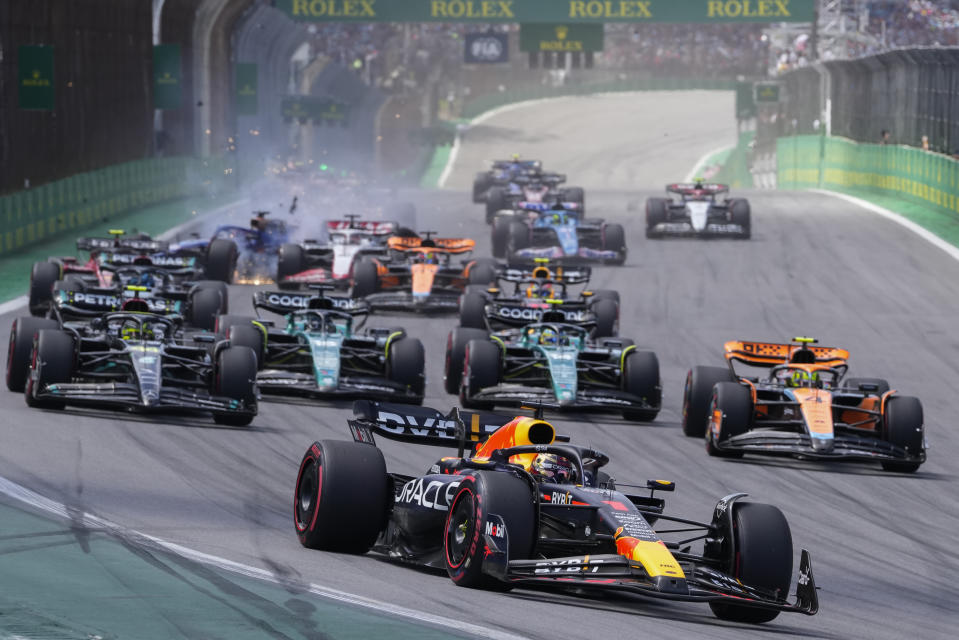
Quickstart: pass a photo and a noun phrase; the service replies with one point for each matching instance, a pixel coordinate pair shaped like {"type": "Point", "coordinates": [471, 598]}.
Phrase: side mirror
{"type": "Point", "coordinates": [205, 338]}
{"type": "Point", "coordinates": [660, 485]}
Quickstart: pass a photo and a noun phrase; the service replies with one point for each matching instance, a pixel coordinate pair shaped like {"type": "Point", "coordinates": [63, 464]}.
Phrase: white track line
{"type": "Point", "coordinates": [697, 168]}
{"type": "Point", "coordinates": [45, 504]}
{"type": "Point", "coordinates": [918, 229]}
{"type": "Point", "coordinates": [13, 305]}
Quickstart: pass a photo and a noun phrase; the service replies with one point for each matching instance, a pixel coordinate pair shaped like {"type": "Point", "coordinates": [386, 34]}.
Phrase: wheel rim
{"type": "Point", "coordinates": [459, 530]}
{"type": "Point", "coordinates": [308, 489]}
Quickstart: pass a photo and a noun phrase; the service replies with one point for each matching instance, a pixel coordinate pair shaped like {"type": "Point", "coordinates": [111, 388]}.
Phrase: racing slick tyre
{"type": "Point", "coordinates": [607, 318]}
{"type": "Point", "coordinates": [473, 311]}
{"type": "Point", "coordinates": [206, 304]}
{"type": "Point", "coordinates": [221, 257]}
{"type": "Point", "coordinates": [290, 261]}
{"type": "Point", "coordinates": [697, 395]}
{"type": "Point", "coordinates": [739, 213]}
{"type": "Point", "coordinates": [730, 414]}
{"type": "Point", "coordinates": [604, 294]}
{"type": "Point", "coordinates": [220, 286]}
{"type": "Point", "coordinates": [20, 347]}
{"type": "Point", "coordinates": [455, 353]}
{"type": "Point", "coordinates": [499, 236]}
{"type": "Point", "coordinates": [614, 239]}
{"type": "Point", "coordinates": [495, 200]}
{"type": "Point", "coordinates": [880, 386]}
{"type": "Point", "coordinates": [406, 365]}
{"type": "Point", "coordinates": [480, 184]}
{"type": "Point", "coordinates": [481, 369]}
{"type": "Point", "coordinates": [761, 556]}
{"type": "Point", "coordinates": [902, 427]}
{"type": "Point", "coordinates": [42, 277]}
{"type": "Point", "coordinates": [366, 279]}
{"type": "Point", "coordinates": [641, 378]}
{"type": "Point", "coordinates": [342, 496]}
{"type": "Point", "coordinates": [51, 363]}
{"type": "Point", "coordinates": [657, 212]}
{"type": "Point", "coordinates": [482, 271]}
{"type": "Point", "coordinates": [479, 495]}
{"type": "Point", "coordinates": [250, 336]}
{"type": "Point", "coordinates": [224, 322]}
{"type": "Point", "coordinates": [518, 237]}
{"type": "Point", "coordinates": [234, 377]}
{"type": "Point", "coordinates": [575, 194]}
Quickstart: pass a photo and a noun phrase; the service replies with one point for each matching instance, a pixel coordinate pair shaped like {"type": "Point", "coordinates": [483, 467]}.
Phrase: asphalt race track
{"type": "Point", "coordinates": [883, 545]}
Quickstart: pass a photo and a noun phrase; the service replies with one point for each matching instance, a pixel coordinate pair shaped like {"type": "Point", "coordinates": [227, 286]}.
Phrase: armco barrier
{"type": "Point", "coordinates": [838, 163]}
{"type": "Point", "coordinates": [72, 203]}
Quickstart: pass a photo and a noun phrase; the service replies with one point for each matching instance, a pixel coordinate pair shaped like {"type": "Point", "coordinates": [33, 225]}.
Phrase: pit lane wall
{"type": "Point", "coordinates": [926, 178]}
{"type": "Point", "coordinates": [33, 215]}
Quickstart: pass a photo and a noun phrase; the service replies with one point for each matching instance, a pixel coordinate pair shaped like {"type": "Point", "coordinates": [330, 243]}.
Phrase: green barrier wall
{"type": "Point", "coordinates": [928, 178]}
{"type": "Point", "coordinates": [485, 102]}
{"type": "Point", "coordinates": [735, 170]}
{"type": "Point", "coordinates": [84, 199]}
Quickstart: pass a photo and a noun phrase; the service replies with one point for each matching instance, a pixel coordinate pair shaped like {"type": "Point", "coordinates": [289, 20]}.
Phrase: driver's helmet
{"type": "Point", "coordinates": [322, 323]}
{"type": "Point", "coordinates": [698, 182]}
{"type": "Point", "coordinates": [515, 157]}
{"type": "Point", "coordinates": [428, 257]}
{"type": "Point", "coordinates": [548, 337]}
{"type": "Point", "coordinates": [540, 290]}
{"type": "Point", "coordinates": [131, 330]}
{"type": "Point", "coordinates": [549, 467]}
{"type": "Point", "coordinates": [802, 378]}
{"type": "Point", "coordinates": [142, 279]}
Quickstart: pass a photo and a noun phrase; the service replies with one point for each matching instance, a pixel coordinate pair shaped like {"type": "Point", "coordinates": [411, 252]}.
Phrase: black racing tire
{"type": "Point", "coordinates": [697, 395]}
{"type": "Point", "coordinates": [205, 307]}
{"type": "Point", "coordinates": [250, 336]}
{"type": "Point", "coordinates": [478, 495]}
{"type": "Point", "coordinates": [740, 213]}
{"type": "Point", "coordinates": [221, 257]}
{"type": "Point", "coordinates": [406, 364]}
{"type": "Point", "coordinates": [495, 201]}
{"type": "Point", "coordinates": [761, 556]}
{"type": "Point", "coordinates": [499, 235]}
{"type": "Point", "coordinates": [607, 318]}
{"type": "Point", "coordinates": [483, 271]}
{"type": "Point", "coordinates": [220, 286]}
{"type": "Point", "coordinates": [20, 348]}
{"type": "Point", "coordinates": [42, 277]}
{"type": "Point", "coordinates": [224, 322]}
{"type": "Point", "coordinates": [882, 386]}
{"type": "Point", "coordinates": [480, 185]}
{"type": "Point", "coordinates": [519, 237]}
{"type": "Point", "coordinates": [473, 311]}
{"type": "Point", "coordinates": [342, 496]}
{"type": "Point", "coordinates": [902, 426]}
{"type": "Point", "coordinates": [575, 194]}
{"type": "Point", "coordinates": [614, 239]}
{"type": "Point", "coordinates": [657, 212]}
{"type": "Point", "coordinates": [290, 261]}
{"type": "Point", "coordinates": [604, 294]}
{"type": "Point", "coordinates": [615, 343]}
{"type": "Point", "coordinates": [455, 354]}
{"type": "Point", "coordinates": [365, 278]}
{"type": "Point", "coordinates": [234, 377]}
{"type": "Point", "coordinates": [52, 359]}
{"type": "Point", "coordinates": [734, 403]}
{"type": "Point", "coordinates": [640, 377]}
{"type": "Point", "coordinates": [481, 369]}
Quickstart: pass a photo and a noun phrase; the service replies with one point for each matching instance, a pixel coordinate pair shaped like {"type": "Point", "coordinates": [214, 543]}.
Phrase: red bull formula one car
{"type": "Point", "coordinates": [520, 506]}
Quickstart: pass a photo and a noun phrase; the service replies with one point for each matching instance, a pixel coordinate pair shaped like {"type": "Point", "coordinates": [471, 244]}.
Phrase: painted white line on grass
{"type": "Point", "coordinates": [37, 501]}
{"type": "Point", "coordinates": [13, 305]}
{"type": "Point", "coordinates": [918, 229]}
{"type": "Point", "coordinates": [702, 161]}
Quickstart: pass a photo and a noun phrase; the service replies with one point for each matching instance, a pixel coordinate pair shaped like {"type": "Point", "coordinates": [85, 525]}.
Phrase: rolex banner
{"type": "Point", "coordinates": [35, 81]}
{"type": "Point", "coordinates": [246, 89]}
{"type": "Point", "coordinates": [166, 77]}
{"type": "Point", "coordinates": [549, 11]}
{"type": "Point", "coordinates": [561, 37]}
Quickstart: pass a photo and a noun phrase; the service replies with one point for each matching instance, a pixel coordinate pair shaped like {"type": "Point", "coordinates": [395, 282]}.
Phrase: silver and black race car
{"type": "Point", "coordinates": [521, 507]}
{"type": "Point", "coordinates": [132, 360]}
{"type": "Point", "coordinates": [698, 210]}
{"type": "Point", "coordinates": [319, 351]}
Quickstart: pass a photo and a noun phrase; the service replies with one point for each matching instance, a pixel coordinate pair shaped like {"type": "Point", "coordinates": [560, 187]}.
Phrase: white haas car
{"type": "Point", "coordinates": [331, 262]}
{"type": "Point", "coordinates": [698, 209]}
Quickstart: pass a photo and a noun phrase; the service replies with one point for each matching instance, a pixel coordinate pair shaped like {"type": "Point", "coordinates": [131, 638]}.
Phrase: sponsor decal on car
{"type": "Point", "coordinates": [434, 494]}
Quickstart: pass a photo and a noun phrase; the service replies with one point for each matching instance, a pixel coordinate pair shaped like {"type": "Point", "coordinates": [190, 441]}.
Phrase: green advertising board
{"type": "Point", "coordinates": [549, 11]}
{"type": "Point", "coordinates": [35, 78]}
{"type": "Point", "coordinates": [319, 110]}
{"type": "Point", "coordinates": [767, 92]}
{"type": "Point", "coordinates": [561, 37]}
{"type": "Point", "coordinates": [246, 89]}
{"type": "Point", "coordinates": [167, 91]}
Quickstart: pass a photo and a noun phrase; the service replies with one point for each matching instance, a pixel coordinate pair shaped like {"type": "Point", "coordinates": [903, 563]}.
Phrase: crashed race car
{"type": "Point", "coordinates": [554, 363]}
{"type": "Point", "coordinates": [136, 361]}
{"type": "Point", "coordinates": [501, 173]}
{"type": "Point", "coordinates": [107, 257]}
{"type": "Point", "coordinates": [698, 210]}
{"type": "Point", "coordinates": [522, 296]}
{"type": "Point", "coordinates": [519, 506]}
{"type": "Point", "coordinates": [533, 187]}
{"type": "Point", "coordinates": [314, 262]}
{"type": "Point", "coordinates": [420, 274]}
{"type": "Point", "coordinates": [319, 351]}
{"type": "Point", "coordinates": [557, 231]}
{"type": "Point", "coordinates": [802, 406]}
